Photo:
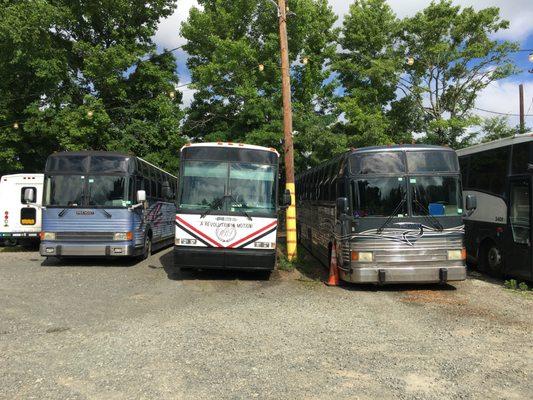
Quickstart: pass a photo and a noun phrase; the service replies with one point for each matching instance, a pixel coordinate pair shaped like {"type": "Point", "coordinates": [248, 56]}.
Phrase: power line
{"type": "Point", "coordinates": [501, 113]}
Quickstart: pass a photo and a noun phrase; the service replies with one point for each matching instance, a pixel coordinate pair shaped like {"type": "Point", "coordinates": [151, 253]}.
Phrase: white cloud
{"type": "Point", "coordinates": [188, 95]}
{"type": "Point", "coordinates": [503, 97]}
{"type": "Point", "coordinates": [518, 12]}
{"type": "Point", "coordinates": [168, 33]}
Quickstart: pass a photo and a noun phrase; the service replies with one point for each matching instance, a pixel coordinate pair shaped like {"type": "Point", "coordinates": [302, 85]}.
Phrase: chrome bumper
{"type": "Point", "coordinates": [120, 249]}
{"type": "Point", "coordinates": [418, 274]}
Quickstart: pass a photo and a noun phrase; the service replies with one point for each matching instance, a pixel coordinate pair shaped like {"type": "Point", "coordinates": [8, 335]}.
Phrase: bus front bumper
{"type": "Point", "coordinates": [418, 274]}
{"type": "Point", "coordinates": [69, 249]}
{"type": "Point", "coordinates": [215, 258]}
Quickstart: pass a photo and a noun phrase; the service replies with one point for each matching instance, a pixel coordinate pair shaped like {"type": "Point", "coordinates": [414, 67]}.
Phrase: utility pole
{"type": "Point", "coordinates": [522, 117]}
{"type": "Point", "coordinates": [287, 130]}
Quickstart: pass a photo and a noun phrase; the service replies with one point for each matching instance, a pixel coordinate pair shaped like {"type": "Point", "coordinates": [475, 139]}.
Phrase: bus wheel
{"type": "Point", "coordinates": [147, 248]}
{"type": "Point", "coordinates": [492, 261]}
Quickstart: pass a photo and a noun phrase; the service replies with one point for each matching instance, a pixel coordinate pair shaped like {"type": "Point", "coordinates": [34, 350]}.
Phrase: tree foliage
{"type": "Point", "coordinates": [235, 99]}
{"type": "Point", "coordinates": [85, 75]}
{"type": "Point", "coordinates": [454, 58]}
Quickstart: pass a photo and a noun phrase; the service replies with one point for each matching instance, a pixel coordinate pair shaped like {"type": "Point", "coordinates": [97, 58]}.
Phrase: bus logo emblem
{"type": "Point", "coordinates": [226, 233]}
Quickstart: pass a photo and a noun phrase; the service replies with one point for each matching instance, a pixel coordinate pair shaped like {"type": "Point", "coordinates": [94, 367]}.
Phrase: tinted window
{"type": "Point", "coordinates": [109, 164]}
{"type": "Point", "coordinates": [488, 170]}
{"type": "Point", "coordinates": [64, 190]}
{"type": "Point", "coordinates": [432, 161]}
{"type": "Point", "coordinates": [223, 153]}
{"type": "Point", "coordinates": [521, 158]}
{"type": "Point", "coordinates": [378, 197]}
{"type": "Point", "coordinates": [67, 164]}
{"type": "Point", "coordinates": [436, 195]}
{"type": "Point", "coordinates": [378, 163]}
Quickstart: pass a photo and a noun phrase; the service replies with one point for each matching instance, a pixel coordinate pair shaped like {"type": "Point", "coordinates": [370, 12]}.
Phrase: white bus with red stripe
{"type": "Point", "coordinates": [227, 207]}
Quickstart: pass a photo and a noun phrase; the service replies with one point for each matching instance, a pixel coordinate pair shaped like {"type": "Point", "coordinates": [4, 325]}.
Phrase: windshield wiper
{"type": "Point", "coordinates": [216, 203]}
{"type": "Point", "coordinates": [108, 215]}
{"type": "Point", "coordinates": [244, 212]}
{"type": "Point", "coordinates": [63, 212]}
{"type": "Point", "coordinates": [430, 218]}
{"type": "Point", "coordinates": [394, 213]}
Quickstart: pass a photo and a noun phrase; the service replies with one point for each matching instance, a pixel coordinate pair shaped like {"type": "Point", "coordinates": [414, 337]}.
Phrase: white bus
{"type": "Point", "coordinates": [21, 219]}
{"type": "Point", "coordinates": [227, 207]}
{"type": "Point", "coordinates": [498, 232]}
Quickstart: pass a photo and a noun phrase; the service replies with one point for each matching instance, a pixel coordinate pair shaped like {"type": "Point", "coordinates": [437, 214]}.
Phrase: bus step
{"type": "Point", "coordinates": [443, 275]}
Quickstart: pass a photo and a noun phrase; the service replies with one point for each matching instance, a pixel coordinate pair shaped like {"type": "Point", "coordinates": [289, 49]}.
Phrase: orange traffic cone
{"type": "Point", "coordinates": [333, 279]}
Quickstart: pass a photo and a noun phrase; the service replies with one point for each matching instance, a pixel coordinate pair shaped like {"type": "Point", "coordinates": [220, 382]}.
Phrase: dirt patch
{"type": "Point", "coordinates": [432, 296]}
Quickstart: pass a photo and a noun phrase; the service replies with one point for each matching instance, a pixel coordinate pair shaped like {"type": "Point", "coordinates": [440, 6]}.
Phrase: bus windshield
{"type": "Point", "coordinates": [436, 195]}
{"type": "Point", "coordinates": [378, 197]}
{"type": "Point", "coordinates": [246, 186]}
{"type": "Point", "coordinates": [87, 191]}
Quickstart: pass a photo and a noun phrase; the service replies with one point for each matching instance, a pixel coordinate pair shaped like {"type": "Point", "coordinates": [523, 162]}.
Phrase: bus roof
{"type": "Point", "coordinates": [106, 153]}
{"type": "Point", "coordinates": [231, 145]}
{"type": "Point", "coordinates": [400, 147]}
{"type": "Point", "coordinates": [22, 176]}
{"type": "Point", "coordinates": [519, 138]}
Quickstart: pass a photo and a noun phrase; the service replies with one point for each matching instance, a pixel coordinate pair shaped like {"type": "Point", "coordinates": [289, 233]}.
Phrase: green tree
{"type": "Point", "coordinates": [369, 65]}
{"type": "Point", "coordinates": [236, 99]}
{"type": "Point", "coordinates": [494, 128]}
{"type": "Point", "coordinates": [85, 75]}
{"type": "Point", "coordinates": [453, 58]}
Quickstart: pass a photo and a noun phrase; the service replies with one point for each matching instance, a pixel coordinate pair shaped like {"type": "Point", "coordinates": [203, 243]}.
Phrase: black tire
{"type": "Point", "coordinates": [491, 260]}
{"type": "Point", "coordinates": [147, 251]}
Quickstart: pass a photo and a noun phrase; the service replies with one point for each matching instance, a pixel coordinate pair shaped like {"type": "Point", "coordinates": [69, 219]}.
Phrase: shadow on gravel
{"type": "Point", "coordinates": [89, 262]}
{"type": "Point", "coordinates": [177, 274]}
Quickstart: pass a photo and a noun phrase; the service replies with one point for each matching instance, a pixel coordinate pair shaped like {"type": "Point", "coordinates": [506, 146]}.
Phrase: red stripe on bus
{"type": "Point", "coordinates": [252, 234]}
{"type": "Point", "coordinates": [198, 232]}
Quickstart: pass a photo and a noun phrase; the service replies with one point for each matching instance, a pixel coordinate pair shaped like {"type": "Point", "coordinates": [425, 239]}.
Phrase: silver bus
{"type": "Point", "coordinates": [498, 232]}
{"type": "Point", "coordinates": [388, 214]}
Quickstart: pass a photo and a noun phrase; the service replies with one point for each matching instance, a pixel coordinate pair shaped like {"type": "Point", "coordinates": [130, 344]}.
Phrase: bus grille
{"type": "Point", "coordinates": [85, 236]}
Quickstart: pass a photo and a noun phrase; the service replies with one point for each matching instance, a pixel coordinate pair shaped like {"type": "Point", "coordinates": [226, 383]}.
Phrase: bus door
{"type": "Point", "coordinates": [519, 257]}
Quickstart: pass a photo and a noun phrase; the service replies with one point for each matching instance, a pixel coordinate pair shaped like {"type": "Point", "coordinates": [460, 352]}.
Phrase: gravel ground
{"type": "Point", "coordinates": [118, 330]}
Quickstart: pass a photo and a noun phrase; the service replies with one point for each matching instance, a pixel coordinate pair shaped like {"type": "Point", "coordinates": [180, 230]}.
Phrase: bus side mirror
{"type": "Point", "coordinates": [166, 192]}
{"type": "Point", "coordinates": [286, 201]}
{"type": "Point", "coordinates": [29, 195]}
{"type": "Point", "coordinates": [471, 202]}
{"type": "Point", "coordinates": [141, 196]}
{"type": "Point", "coordinates": [342, 206]}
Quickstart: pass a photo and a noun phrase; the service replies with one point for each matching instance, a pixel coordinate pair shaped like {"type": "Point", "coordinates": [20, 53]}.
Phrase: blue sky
{"type": "Point", "coordinates": [500, 96]}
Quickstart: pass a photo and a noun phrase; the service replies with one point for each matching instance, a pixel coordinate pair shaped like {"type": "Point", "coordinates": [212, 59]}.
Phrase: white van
{"type": "Point", "coordinates": [21, 220]}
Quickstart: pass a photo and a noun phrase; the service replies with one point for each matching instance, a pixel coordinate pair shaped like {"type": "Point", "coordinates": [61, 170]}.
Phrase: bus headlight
{"type": "Point", "coordinates": [48, 235]}
{"type": "Point", "coordinates": [455, 255]}
{"type": "Point", "coordinates": [123, 236]}
{"type": "Point", "coordinates": [362, 256]}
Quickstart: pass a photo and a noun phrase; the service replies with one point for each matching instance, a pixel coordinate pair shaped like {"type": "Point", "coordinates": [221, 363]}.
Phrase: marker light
{"type": "Point", "coordinates": [48, 236]}
{"type": "Point", "coordinates": [123, 236]}
{"type": "Point", "coordinates": [454, 255]}
{"type": "Point", "coordinates": [362, 256]}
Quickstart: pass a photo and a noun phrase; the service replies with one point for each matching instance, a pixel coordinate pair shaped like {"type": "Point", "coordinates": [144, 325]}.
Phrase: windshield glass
{"type": "Point", "coordinates": [218, 185]}
{"type": "Point", "coordinates": [252, 187]}
{"type": "Point", "coordinates": [108, 191]}
{"type": "Point", "coordinates": [432, 161]}
{"type": "Point", "coordinates": [203, 184]}
{"type": "Point", "coordinates": [437, 195]}
{"type": "Point", "coordinates": [378, 197]}
{"type": "Point", "coordinates": [64, 190]}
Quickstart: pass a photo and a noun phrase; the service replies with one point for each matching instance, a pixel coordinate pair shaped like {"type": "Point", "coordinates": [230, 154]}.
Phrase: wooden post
{"type": "Point", "coordinates": [287, 130]}
{"type": "Point", "coordinates": [522, 117]}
